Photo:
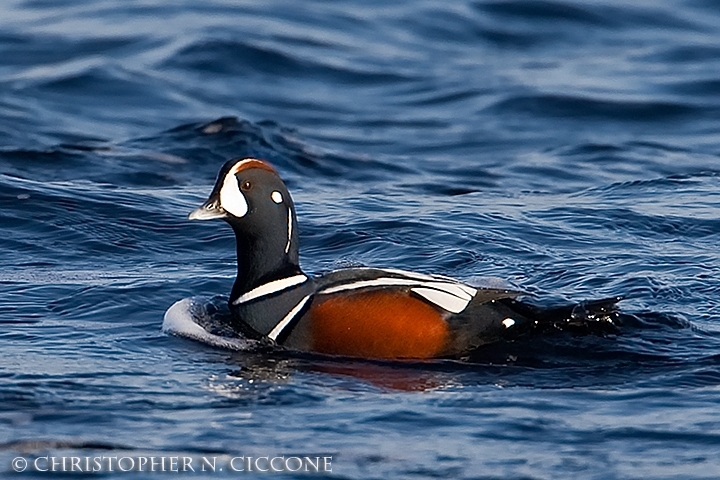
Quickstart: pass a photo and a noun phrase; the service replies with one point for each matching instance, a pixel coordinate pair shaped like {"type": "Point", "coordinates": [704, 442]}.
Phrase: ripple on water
{"type": "Point", "coordinates": [568, 148]}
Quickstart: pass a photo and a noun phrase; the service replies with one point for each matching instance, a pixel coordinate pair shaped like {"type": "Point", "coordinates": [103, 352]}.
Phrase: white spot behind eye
{"type": "Point", "coordinates": [231, 198]}
{"type": "Point", "coordinates": [276, 197]}
{"type": "Point", "coordinates": [508, 322]}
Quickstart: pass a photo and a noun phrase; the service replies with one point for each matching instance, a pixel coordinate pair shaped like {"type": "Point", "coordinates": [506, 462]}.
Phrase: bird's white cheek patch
{"type": "Point", "coordinates": [276, 197]}
{"type": "Point", "coordinates": [231, 198]}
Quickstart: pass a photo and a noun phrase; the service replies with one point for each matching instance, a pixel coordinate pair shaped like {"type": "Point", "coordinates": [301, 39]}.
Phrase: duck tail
{"type": "Point", "coordinates": [589, 317]}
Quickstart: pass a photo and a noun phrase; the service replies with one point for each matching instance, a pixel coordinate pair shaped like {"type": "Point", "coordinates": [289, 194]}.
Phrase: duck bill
{"type": "Point", "coordinates": [208, 210]}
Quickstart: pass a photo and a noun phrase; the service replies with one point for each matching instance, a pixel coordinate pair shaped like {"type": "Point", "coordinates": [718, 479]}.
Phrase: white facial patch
{"type": "Point", "coordinates": [231, 198]}
{"type": "Point", "coordinates": [276, 197]}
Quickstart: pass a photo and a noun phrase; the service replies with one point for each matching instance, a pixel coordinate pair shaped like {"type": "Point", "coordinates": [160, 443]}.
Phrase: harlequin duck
{"type": "Point", "coordinates": [359, 312]}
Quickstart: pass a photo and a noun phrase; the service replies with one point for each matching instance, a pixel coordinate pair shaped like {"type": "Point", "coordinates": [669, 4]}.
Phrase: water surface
{"type": "Point", "coordinates": [568, 147]}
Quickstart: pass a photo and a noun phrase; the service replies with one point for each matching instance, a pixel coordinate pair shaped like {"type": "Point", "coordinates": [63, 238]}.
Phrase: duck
{"type": "Point", "coordinates": [365, 312]}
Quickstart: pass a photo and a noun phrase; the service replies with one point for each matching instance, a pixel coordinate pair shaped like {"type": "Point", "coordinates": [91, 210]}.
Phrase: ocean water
{"type": "Point", "coordinates": [567, 147]}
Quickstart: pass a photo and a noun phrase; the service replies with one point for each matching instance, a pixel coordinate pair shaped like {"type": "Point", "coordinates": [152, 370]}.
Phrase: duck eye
{"type": "Point", "coordinates": [246, 185]}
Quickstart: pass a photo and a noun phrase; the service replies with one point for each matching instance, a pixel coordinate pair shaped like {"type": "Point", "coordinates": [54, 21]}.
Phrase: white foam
{"type": "Point", "coordinates": [181, 320]}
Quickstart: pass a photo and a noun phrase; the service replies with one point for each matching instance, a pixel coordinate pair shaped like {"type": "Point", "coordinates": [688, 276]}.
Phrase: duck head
{"type": "Point", "coordinates": [252, 198]}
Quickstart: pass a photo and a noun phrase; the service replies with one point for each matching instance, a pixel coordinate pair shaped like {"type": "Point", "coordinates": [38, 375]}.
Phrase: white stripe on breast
{"type": "Point", "coordinates": [270, 288]}
{"type": "Point", "coordinates": [288, 318]}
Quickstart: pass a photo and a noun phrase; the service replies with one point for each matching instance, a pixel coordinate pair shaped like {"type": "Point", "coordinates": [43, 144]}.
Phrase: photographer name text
{"type": "Point", "coordinates": [174, 464]}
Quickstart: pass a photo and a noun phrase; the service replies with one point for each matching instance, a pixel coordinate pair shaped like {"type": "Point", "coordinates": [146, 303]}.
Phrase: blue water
{"type": "Point", "coordinates": [568, 147]}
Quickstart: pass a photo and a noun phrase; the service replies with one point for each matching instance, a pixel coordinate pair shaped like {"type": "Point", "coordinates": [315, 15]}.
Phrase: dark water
{"type": "Point", "coordinates": [570, 148]}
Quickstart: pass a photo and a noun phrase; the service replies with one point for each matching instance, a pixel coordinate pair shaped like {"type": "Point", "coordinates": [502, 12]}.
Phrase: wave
{"type": "Point", "coordinates": [588, 108]}
{"type": "Point", "coordinates": [234, 57]}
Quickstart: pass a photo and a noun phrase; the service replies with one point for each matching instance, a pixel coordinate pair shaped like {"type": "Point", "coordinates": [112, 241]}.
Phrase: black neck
{"type": "Point", "coordinates": [261, 260]}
